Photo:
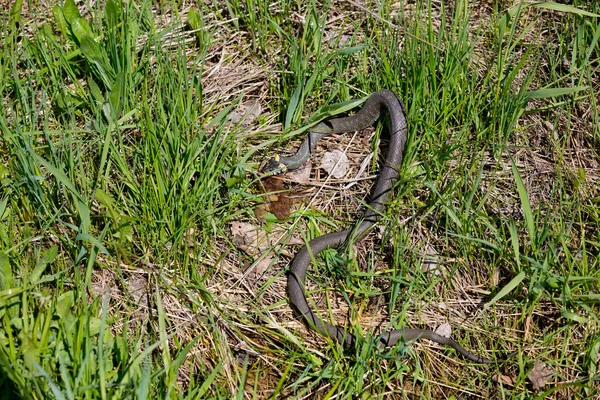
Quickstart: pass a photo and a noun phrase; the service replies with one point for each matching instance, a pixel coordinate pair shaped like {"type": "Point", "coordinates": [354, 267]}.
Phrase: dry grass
{"type": "Point", "coordinates": [200, 291]}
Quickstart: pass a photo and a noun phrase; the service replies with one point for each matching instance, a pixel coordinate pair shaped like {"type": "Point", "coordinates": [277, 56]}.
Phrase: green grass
{"type": "Point", "coordinates": [121, 170]}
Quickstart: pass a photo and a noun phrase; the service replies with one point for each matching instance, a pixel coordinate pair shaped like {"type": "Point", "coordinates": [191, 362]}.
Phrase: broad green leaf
{"type": "Point", "coordinates": [351, 50]}
{"type": "Point", "coordinates": [107, 201]}
{"type": "Point", "coordinates": [104, 198]}
{"type": "Point", "coordinates": [65, 303]}
{"type": "Point", "coordinates": [59, 16]}
{"type": "Point", "coordinates": [84, 216]}
{"type": "Point", "coordinates": [8, 293]}
{"type": "Point", "coordinates": [81, 28]}
{"type": "Point", "coordinates": [229, 182]}
{"type": "Point", "coordinates": [112, 13]}
{"type": "Point", "coordinates": [6, 278]}
{"type": "Point", "coordinates": [116, 95]}
{"type": "Point", "coordinates": [194, 19]}
{"type": "Point", "coordinates": [553, 92]}
{"type": "Point", "coordinates": [15, 12]}
{"type": "Point", "coordinates": [70, 11]}
{"type": "Point", "coordinates": [94, 55]}
{"type": "Point", "coordinates": [94, 326]}
{"type": "Point", "coordinates": [125, 232]}
{"type": "Point", "coordinates": [50, 255]}
{"type": "Point", "coordinates": [196, 22]}
{"type": "Point", "coordinates": [40, 267]}
{"type": "Point", "coordinates": [90, 49]}
{"type": "Point", "coordinates": [95, 91]}
{"type": "Point", "coordinates": [573, 316]}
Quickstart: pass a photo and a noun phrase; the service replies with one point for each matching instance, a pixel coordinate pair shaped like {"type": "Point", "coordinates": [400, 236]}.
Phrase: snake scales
{"type": "Point", "coordinates": [383, 100]}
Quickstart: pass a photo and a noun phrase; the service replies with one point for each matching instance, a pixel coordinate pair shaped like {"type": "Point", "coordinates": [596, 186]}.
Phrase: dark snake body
{"type": "Point", "coordinates": [369, 114]}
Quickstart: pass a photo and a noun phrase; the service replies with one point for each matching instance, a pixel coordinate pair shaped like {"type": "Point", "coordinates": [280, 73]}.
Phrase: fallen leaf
{"type": "Point", "coordinates": [361, 170]}
{"type": "Point", "coordinates": [252, 240]}
{"type": "Point", "coordinates": [300, 175]}
{"type": "Point", "coordinates": [249, 238]}
{"type": "Point", "coordinates": [431, 262]}
{"type": "Point", "coordinates": [540, 375]}
{"type": "Point", "coordinates": [337, 40]}
{"type": "Point", "coordinates": [277, 198]}
{"type": "Point", "coordinates": [255, 242]}
{"type": "Point", "coordinates": [504, 379]}
{"type": "Point", "coordinates": [335, 163]}
{"type": "Point", "coordinates": [138, 288]}
{"type": "Point", "coordinates": [444, 330]}
{"type": "Point", "coordinates": [259, 212]}
{"type": "Point", "coordinates": [293, 239]}
{"type": "Point", "coordinates": [245, 114]}
{"type": "Point", "coordinates": [260, 267]}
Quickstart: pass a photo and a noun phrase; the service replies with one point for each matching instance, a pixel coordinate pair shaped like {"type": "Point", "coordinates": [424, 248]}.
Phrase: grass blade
{"type": "Point", "coordinates": [553, 92]}
{"type": "Point", "coordinates": [525, 205]}
{"type": "Point", "coordinates": [550, 5]}
{"type": "Point", "coordinates": [509, 287]}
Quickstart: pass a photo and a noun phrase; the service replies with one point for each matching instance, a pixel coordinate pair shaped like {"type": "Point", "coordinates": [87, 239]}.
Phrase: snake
{"type": "Point", "coordinates": [373, 108]}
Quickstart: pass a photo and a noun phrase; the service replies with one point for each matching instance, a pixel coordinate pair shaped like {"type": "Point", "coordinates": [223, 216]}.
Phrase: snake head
{"type": "Point", "coordinates": [274, 166]}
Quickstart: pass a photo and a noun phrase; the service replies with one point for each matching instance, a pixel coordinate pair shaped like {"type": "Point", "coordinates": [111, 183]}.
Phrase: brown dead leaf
{"type": "Point", "coordinates": [300, 175]}
{"type": "Point", "coordinates": [251, 239]}
{"type": "Point", "coordinates": [294, 240]}
{"type": "Point", "coordinates": [361, 171]}
{"type": "Point", "coordinates": [444, 330]}
{"type": "Point", "coordinates": [279, 202]}
{"type": "Point", "coordinates": [259, 212]}
{"type": "Point", "coordinates": [260, 267]}
{"type": "Point", "coordinates": [138, 287]}
{"type": "Point", "coordinates": [504, 379]}
{"type": "Point", "coordinates": [254, 241]}
{"type": "Point", "coordinates": [335, 163]}
{"type": "Point", "coordinates": [245, 114]}
{"type": "Point", "coordinates": [431, 262]}
{"type": "Point", "coordinates": [540, 375]}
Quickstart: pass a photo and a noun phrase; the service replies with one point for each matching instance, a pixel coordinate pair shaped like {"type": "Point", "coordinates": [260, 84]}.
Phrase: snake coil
{"type": "Point", "coordinates": [369, 114]}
